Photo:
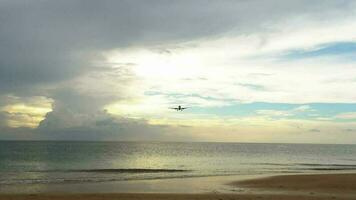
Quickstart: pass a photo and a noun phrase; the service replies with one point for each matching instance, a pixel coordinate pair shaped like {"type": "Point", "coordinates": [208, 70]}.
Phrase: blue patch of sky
{"type": "Point", "coordinates": [316, 110]}
{"type": "Point", "coordinates": [243, 109]}
{"type": "Point", "coordinates": [323, 50]}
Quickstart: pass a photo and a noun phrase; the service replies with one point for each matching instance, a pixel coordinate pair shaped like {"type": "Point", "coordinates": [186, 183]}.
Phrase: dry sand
{"type": "Point", "coordinates": [289, 187]}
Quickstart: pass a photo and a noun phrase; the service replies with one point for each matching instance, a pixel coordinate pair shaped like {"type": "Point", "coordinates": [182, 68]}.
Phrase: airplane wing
{"type": "Point", "coordinates": [184, 108]}
{"type": "Point", "coordinates": [174, 108]}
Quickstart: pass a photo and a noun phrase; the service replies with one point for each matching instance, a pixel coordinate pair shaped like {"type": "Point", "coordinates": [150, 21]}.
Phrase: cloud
{"type": "Point", "coordinates": [274, 113]}
{"type": "Point", "coordinates": [303, 108]}
{"type": "Point", "coordinates": [63, 63]}
{"type": "Point", "coordinates": [81, 115]}
{"type": "Point", "coordinates": [3, 119]}
{"type": "Point", "coordinates": [294, 112]}
{"type": "Point", "coordinates": [47, 41]}
{"type": "Point", "coordinates": [253, 86]}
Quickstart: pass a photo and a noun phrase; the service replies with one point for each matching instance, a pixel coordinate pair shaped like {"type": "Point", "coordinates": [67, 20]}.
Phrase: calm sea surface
{"type": "Point", "coordinates": [61, 162]}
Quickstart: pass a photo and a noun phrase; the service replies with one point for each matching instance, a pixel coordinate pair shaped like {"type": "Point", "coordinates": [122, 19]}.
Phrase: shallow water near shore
{"type": "Point", "coordinates": [214, 184]}
{"type": "Point", "coordinates": [41, 164]}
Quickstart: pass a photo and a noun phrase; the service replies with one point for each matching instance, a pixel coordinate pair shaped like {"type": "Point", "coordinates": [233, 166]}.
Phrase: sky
{"type": "Point", "coordinates": [249, 71]}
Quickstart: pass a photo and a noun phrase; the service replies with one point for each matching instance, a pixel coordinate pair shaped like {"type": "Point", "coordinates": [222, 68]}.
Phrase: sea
{"type": "Point", "coordinates": [49, 162]}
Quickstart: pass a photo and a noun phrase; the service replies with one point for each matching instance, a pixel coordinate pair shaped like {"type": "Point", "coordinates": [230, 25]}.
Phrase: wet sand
{"type": "Point", "coordinates": [325, 183]}
{"type": "Point", "coordinates": [288, 187]}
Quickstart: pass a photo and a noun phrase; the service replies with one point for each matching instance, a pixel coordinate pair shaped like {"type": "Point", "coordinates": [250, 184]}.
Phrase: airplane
{"type": "Point", "coordinates": [179, 108]}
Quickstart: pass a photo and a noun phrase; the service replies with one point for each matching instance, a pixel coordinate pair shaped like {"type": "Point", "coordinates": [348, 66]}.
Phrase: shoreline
{"type": "Point", "coordinates": [320, 183]}
{"type": "Point", "coordinates": [289, 187]}
{"type": "Point", "coordinates": [170, 185]}
{"type": "Point", "coordinates": [158, 196]}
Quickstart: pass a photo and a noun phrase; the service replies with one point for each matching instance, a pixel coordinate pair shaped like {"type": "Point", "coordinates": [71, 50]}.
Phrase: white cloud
{"type": "Point", "coordinates": [285, 113]}
{"type": "Point", "coordinates": [231, 59]}
{"type": "Point", "coordinates": [303, 108]}
{"type": "Point", "coordinates": [274, 113]}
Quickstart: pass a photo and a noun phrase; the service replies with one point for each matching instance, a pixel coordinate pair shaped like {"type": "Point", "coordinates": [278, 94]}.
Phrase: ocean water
{"type": "Point", "coordinates": [43, 162]}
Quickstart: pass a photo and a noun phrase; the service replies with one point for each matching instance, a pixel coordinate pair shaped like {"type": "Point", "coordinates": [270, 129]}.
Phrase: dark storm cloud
{"type": "Point", "coordinates": [3, 117]}
{"type": "Point", "coordinates": [79, 116]}
{"type": "Point", "coordinates": [105, 127]}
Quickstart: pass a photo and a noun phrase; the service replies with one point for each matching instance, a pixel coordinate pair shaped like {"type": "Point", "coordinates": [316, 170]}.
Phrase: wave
{"type": "Point", "coordinates": [305, 167]}
{"type": "Point", "coordinates": [94, 179]}
{"type": "Point", "coordinates": [322, 165]}
{"type": "Point", "coordinates": [120, 170]}
{"type": "Point", "coordinates": [326, 169]}
{"type": "Point", "coordinates": [346, 166]}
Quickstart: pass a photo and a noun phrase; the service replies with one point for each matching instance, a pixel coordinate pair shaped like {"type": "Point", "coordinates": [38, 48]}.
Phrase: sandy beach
{"type": "Point", "coordinates": [324, 183]}
{"type": "Point", "coordinates": [290, 187]}
{"type": "Point", "coordinates": [167, 197]}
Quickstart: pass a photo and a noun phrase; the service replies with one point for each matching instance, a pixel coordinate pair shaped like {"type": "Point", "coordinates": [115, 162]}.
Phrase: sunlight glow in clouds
{"type": "Point", "coordinates": [26, 115]}
{"type": "Point", "coordinates": [159, 63]}
{"type": "Point", "coordinates": [248, 70]}
{"type": "Point", "coordinates": [240, 69]}
{"type": "Point", "coordinates": [224, 68]}
{"type": "Point", "coordinates": [140, 108]}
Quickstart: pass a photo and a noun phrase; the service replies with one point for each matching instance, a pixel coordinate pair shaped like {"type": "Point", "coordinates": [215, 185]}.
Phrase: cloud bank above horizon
{"type": "Point", "coordinates": [251, 71]}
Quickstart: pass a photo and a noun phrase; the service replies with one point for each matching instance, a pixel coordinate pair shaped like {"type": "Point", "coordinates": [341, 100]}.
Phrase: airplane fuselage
{"type": "Point", "coordinates": [179, 108]}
